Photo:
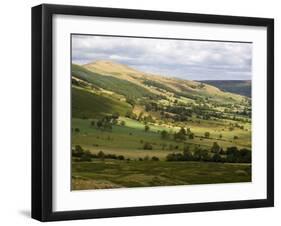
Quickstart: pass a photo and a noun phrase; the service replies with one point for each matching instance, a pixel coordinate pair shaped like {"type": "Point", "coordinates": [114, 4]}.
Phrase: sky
{"type": "Point", "coordinates": [185, 59]}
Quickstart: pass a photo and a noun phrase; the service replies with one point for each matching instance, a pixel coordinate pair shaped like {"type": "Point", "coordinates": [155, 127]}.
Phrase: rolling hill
{"type": "Point", "coordinates": [242, 87]}
{"type": "Point", "coordinates": [132, 83]}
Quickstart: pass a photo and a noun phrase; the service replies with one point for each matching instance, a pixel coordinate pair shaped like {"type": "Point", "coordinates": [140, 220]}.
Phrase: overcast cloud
{"type": "Point", "coordinates": [195, 60]}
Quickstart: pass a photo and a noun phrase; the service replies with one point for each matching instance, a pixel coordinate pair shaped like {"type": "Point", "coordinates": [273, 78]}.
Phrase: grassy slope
{"type": "Point", "coordinates": [121, 86]}
{"type": "Point", "coordinates": [90, 105]}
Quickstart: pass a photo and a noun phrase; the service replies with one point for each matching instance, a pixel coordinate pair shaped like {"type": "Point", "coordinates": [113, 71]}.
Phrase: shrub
{"type": "Point", "coordinates": [83, 155]}
{"type": "Point", "coordinates": [164, 134]}
{"type": "Point", "coordinates": [147, 146]}
{"type": "Point", "coordinates": [187, 155]}
{"type": "Point", "coordinates": [191, 136]}
{"type": "Point", "coordinates": [77, 151]}
{"type": "Point", "coordinates": [207, 134]}
{"type": "Point", "coordinates": [110, 156]}
{"type": "Point", "coordinates": [201, 155]}
{"type": "Point", "coordinates": [181, 135]}
{"type": "Point", "coordinates": [120, 157]}
{"type": "Point", "coordinates": [215, 148]}
{"type": "Point", "coordinates": [154, 158]}
{"type": "Point", "coordinates": [101, 155]}
{"type": "Point", "coordinates": [245, 155]}
{"type": "Point", "coordinates": [146, 128]}
{"type": "Point", "coordinates": [242, 156]}
{"type": "Point", "coordinates": [216, 158]}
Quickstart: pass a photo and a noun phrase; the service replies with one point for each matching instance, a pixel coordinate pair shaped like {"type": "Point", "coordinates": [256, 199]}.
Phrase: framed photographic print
{"type": "Point", "coordinates": [145, 112]}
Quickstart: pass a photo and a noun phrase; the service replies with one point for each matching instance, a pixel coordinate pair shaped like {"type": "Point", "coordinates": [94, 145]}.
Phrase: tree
{"type": "Point", "coordinates": [77, 130]}
{"type": "Point", "coordinates": [222, 152]}
{"type": "Point", "coordinates": [101, 155]}
{"type": "Point", "coordinates": [207, 134]}
{"type": "Point", "coordinates": [154, 158]}
{"type": "Point", "coordinates": [175, 157]}
{"type": "Point", "coordinates": [99, 123]}
{"type": "Point", "coordinates": [93, 123]}
{"type": "Point", "coordinates": [191, 136]}
{"type": "Point", "coordinates": [147, 146]}
{"type": "Point", "coordinates": [235, 137]}
{"type": "Point", "coordinates": [77, 151]}
{"type": "Point", "coordinates": [245, 155]}
{"type": "Point", "coordinates": [201, 155]}
{"type": "Point", "coordinates": [78, 148]}
{"type": "Point", "coordinates": [180, 135]}
{"type": "Point", "coordinates": [164, 134]}
{"type": "Point", "coordinates": [187, 154]}
{"type": "Point", "coordinates": [122, 123]}
{"type": "Point", "coordinates": [216, 158]}
{"type": "Point", "coordinates": [232, 154]}
{"type": "Point", "coordinates": [146, 128]}
{"type": "Point", "coordinates": [120, 157]}
{"type": "Point", "coordinates": [215, 148]}
{"type": "Point", "coordinates": [232, 150]}
{"type": "Point", "coordinates": [183, 131]}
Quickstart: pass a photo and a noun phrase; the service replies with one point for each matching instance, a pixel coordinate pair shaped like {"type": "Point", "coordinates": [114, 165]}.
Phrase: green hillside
{"type": "Point", "coordinates": [126, 88]}
{"type": "Point", "coordinates": [91, 105]}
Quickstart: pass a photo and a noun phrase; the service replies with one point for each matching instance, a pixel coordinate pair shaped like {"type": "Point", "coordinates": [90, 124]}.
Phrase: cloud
{"type": "Point", "coordinates": [196, 60]}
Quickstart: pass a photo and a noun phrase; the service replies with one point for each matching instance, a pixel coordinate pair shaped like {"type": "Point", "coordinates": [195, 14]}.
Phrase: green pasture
{"type": "Point", "coordinates": [116, 174]}
{"type": "Point", "coordinates": [129, 140]}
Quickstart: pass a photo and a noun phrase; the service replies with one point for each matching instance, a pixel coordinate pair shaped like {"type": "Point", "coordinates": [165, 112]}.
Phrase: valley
{"type": "Point", "coordinates": [136, 129]}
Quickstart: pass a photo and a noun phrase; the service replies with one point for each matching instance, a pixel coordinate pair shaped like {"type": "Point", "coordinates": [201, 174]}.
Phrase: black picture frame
{"type": "Point", "coordinates": [42, 111]}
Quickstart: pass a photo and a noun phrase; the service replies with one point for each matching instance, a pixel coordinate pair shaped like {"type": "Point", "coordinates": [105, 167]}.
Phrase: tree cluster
{"type": "Point", "coordinates": [231, 155]}
{"type": "Point", "coordinates": [86, 156]}
{"type": "Point", "coordinates": [107, 122]}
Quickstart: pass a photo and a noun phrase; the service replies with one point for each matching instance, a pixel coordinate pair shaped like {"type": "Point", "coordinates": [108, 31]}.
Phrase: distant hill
{"type": "Point", "coordinates": [242, 87]}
